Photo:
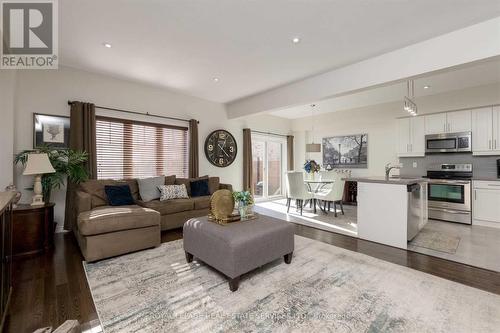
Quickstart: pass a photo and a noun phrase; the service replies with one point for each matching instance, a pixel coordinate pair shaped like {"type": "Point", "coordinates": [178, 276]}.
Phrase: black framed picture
{"type": "Point", "coordinates": [348, 151]}
{"type": "Point", "coordinates": [50, 130]}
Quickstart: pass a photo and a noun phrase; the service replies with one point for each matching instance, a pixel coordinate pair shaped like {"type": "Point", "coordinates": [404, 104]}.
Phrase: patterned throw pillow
{"type": "Point", "coordinates": [168, 192]}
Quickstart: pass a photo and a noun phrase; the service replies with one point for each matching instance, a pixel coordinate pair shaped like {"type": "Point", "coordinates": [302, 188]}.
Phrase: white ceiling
{"type": "Point", "coordinates": [184, 44]}
{"type": "Point", "coordinates": [472, 75]}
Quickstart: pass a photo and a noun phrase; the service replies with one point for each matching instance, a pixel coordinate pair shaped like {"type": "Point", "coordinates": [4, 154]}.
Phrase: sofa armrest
{"type": "Point", "coordinates": [226, 187]}
{"type": "Point", "coordinates": [83, 203]}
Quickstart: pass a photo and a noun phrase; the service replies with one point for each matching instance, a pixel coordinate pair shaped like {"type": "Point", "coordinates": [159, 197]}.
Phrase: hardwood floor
{"type": "Point", "coordinates": [51, 288]}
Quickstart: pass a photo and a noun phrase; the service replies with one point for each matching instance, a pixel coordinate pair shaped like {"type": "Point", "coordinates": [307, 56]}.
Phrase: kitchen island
{"type": "Point", "coordinates": [391, 211]}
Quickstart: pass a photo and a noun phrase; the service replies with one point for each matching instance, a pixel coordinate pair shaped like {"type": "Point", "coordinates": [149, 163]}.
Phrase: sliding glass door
{"type": "Point", "coordinates": [269, 165]}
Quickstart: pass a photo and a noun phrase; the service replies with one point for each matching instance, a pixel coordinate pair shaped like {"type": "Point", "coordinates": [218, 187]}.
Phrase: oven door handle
{"type": "Point", "coordinates": [449, 211]}
{"type": "Point", "coordinates": [445, 182]}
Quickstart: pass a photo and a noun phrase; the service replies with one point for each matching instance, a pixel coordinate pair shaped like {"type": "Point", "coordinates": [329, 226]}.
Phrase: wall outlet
{"type": "Point", "coordinates": [415, 165]}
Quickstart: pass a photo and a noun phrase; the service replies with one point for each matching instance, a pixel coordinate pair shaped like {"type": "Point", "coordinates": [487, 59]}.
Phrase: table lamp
{"type": "Point", "coordinates": [38, 164]}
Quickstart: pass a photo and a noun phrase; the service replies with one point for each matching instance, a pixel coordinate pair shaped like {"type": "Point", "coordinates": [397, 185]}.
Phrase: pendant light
{"type": "Point", "coordinates": [313, 147]}
{"type": "Point", "coordinates": [409, 105]}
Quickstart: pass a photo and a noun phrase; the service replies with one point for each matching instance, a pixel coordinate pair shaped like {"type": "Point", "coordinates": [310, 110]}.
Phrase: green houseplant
{"type": "Point", "coordinates": [244, 200]}
{"type": "Point", "coordinates": [68, 163]}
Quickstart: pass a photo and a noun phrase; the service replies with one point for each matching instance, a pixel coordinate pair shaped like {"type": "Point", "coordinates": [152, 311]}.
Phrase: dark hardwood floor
{"type": "Point", "coordinates": [51, 288]}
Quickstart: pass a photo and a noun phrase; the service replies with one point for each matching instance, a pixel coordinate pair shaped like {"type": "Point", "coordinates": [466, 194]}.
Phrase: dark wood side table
{"type": "Point", "coordinates": [32, 229]}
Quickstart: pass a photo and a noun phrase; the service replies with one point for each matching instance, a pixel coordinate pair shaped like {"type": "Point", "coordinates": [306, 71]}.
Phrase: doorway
{"type": "Point", "coordinates": [269, 165]}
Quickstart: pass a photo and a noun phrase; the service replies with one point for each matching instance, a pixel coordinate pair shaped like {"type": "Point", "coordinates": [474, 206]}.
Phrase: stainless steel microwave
{"type": "Point", "coordinates": [448, 143]}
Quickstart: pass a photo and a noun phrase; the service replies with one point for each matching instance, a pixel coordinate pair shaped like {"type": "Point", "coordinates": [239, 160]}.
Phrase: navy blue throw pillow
{"type": "Point", "coordinates": [119, 195]}
{"type": "Point", "coordinates": [199, 188]}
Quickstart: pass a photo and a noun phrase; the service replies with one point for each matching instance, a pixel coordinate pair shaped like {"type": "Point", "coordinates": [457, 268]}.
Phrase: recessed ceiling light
{"type": "Point", "coordinates": [215, 79]}
{"type": "Point", "coordinates": [108, 45]}
{"type": "Point", "coordinates": [427, 87]}
{"type": "Point", "coordinates": [296, 40]}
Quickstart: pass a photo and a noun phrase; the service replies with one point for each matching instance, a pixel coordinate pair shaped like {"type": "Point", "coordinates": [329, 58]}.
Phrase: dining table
{"type": "Point", "coordinates": [314, 186]}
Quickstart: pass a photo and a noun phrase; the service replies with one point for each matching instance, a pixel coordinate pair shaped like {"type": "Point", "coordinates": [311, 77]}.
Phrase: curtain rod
{"type": "Point", "coordinates": [139, 113]}
{"type": "Point", "coordinates": [269, 133]}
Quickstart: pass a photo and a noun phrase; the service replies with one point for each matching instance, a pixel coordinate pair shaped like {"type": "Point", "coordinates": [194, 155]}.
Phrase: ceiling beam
{"type": "Point", "coordinates": [474, 43]}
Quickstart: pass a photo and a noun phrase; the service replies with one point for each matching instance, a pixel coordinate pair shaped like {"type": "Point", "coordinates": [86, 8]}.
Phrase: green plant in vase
{"type": "Point", "coordinates": [68, 163]}
{"type": "Point", "coordinates": [244, 200]}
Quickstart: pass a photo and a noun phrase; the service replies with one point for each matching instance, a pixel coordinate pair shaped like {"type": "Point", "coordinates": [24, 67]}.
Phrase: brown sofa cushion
{"type": "Point", "coordinates": [170, 180]}
{"type": "Point", "coordinates": [201, 202]}
{"type": "Point", "coordinates": [95, 187]}
{"type": "Point", "coordinates": [110, 219]}
{"type": "Point", "coordinates": [169, 206]}
{"type": "Point", "coordinates": [213, 184]}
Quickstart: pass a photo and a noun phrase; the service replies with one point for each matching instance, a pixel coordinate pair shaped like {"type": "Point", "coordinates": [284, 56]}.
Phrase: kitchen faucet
{"type": "Point", "coordinates": [388, 168]}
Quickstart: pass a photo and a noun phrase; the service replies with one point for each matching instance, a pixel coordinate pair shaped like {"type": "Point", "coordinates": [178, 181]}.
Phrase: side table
{"type": "Point", "coordinates": [32, 229]}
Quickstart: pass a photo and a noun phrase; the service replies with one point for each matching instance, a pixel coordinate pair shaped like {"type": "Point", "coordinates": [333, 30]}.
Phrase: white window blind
{"type": "Point", "coordinates": [133, 149]}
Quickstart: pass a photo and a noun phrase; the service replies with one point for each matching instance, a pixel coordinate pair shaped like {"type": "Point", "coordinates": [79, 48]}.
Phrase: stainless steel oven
{"type": "Point", "coordinates": [449, 192]}
{"type": "Point", "coordinates": [448, 143]}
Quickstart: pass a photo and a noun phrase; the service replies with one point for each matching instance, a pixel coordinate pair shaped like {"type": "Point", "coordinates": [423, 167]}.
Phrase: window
{"type": "Point", "coordinates": [133, 149]}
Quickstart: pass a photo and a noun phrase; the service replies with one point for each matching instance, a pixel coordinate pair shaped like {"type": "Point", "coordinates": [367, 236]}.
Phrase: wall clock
{"type": "Point", "coordinates": [221, 148]}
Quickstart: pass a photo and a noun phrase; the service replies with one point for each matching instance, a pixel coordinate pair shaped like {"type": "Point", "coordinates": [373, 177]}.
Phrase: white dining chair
{"type": "Point", "coordinates": [296, 190]}
{"type": "Point", "coordinates": [333, 195]}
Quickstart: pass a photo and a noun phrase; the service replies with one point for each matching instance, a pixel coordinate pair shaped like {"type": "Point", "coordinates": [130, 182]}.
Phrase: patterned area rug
{"type": "Point", "coordinates": [325, 289]}
{"type": "Point", "coordinates": [437, 241]}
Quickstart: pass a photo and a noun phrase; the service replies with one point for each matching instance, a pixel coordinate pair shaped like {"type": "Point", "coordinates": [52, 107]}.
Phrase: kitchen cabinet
{"type": "Point", "coordinates": [486, 131]}
{"type": "Point", "coordinates": [411, 133]}
{"type": "Point", "coordinates": [448, 122]}
{"type": "Point", "coordinates": [486, 203]}
{"type": "Point", "coordinates": [435, 123]}
{"type": "Point", "coordinates": [459, 121]}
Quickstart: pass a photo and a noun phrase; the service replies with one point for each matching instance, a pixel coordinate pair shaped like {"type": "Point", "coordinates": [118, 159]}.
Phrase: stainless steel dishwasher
{"type": "Point", "coordinates": [417, 208]}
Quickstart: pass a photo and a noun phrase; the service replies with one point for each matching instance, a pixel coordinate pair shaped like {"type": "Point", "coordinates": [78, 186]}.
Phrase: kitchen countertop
{"type": "Point", "coordinates": [383, 180]}
{"type": "Point", "coordinates": [488, 179]}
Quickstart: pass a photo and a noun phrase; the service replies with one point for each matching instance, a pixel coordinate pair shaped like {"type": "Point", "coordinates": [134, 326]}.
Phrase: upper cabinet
{"type": "Point", "coordinates": [435, 123]}
{"type": "Point", "coordinates": [411, 133]}
{"type": "Point", "coordinates": [448, 122]}
{"type": "Point", "coordinates": [459, 121]}
{"type": "Point", "coordinates": [486, 131]}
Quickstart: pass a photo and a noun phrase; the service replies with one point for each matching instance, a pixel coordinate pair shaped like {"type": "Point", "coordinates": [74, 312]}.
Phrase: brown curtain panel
{"type": "Point", "coordinates": [247, 160]}
{"type": "Point", "coordinates": [82, 137]}
{"type": "Point", "coordinates": [289, 152]}
{"type": "Point", "coordinates": [194, 161]}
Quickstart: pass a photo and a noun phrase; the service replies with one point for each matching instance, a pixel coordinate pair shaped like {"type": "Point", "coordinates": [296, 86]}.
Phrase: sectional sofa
{"type": "Point", "coordinates": [104, 231]}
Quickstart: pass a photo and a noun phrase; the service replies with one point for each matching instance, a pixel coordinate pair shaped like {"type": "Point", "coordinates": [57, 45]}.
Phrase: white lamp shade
{"type": "Point", "coordinates": [313, 148]}
{"type": "Point", "coordinates": [38, 164]}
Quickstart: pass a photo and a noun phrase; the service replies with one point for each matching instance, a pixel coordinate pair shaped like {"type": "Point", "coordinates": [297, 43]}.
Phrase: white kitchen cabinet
{"type": "Point", "coordinates": [459, 121]}
{"type": "Point", "coordinates": [448, 122]}
{"type": "Point", "coordinates": [486, 203]}
{"type": "Point", "coordinates": [496, 130]}
{"type": "Point", "coordinates": [486, 131]}
{"type": "Point", "coordinates": [411, 132]}
{"type": "Point", "coordinates": [435, 123]}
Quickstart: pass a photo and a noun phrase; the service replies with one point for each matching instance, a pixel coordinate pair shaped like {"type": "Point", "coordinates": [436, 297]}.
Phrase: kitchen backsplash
{"type": "Point", "coordinates": [483, 166]}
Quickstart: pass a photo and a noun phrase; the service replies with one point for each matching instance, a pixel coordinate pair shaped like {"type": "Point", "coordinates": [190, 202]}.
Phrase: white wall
{"type": "Point", "coordinates": [49, 91]}
{"type": "Point", "coordinates": [379, 122]}
{"type": "Point", "coordinates": [7, 85]}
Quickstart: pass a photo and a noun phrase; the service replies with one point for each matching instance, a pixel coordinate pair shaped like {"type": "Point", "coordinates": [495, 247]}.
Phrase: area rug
{"type": "Point", "coordinates": [324, 289]}
{"type": "Point", "coordinates": [436, 241]}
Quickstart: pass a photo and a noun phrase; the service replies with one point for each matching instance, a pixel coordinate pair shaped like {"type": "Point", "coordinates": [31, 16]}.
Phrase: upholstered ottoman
{"type": "Point", "coordinates": [239, 247]}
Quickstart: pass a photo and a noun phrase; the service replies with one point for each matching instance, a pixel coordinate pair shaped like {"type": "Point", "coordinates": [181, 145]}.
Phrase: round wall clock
{"type": "Point", "coordinates": [221, 148]}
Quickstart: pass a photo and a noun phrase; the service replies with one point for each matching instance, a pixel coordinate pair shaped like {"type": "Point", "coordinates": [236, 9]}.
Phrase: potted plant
{"type": "Point", "coordinates": [311, 167]}
{"type": "Point", "coordinates": [68, 163]}
{"type": "Point", "coordinates": [244, 200]}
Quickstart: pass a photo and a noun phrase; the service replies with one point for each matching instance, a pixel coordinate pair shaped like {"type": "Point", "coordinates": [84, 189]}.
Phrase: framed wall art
{"type": "Point", "coordinates": [348, 151]}
{"type": "Point", "coordinates": [50, 130]}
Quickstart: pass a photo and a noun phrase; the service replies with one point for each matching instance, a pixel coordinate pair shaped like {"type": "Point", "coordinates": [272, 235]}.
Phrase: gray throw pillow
{"type": "Point", "coordinates": [148, 188]}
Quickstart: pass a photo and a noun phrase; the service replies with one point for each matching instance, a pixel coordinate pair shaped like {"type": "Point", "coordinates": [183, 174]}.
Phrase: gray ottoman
{"type": "Point", "coordinates": [239, 247]}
